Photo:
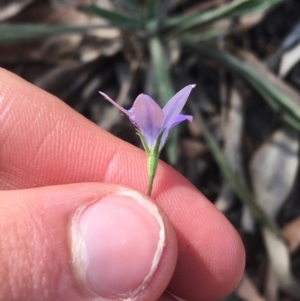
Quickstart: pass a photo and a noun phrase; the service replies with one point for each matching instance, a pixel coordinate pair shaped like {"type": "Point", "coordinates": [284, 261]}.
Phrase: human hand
{"type": "Point", "coordinates": [63, 180]}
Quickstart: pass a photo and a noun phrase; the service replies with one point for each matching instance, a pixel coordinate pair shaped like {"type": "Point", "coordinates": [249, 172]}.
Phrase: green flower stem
{"type": "Point", "coordinates": [152, 166]}
{"type": "Point", "coordinates": [152, 159]}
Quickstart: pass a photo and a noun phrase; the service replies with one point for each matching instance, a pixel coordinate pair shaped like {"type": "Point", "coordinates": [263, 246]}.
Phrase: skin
{"type": "Point", "coordinates": [53, 161]}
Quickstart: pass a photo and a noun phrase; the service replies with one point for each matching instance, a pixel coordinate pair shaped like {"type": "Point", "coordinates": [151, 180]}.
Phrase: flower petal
{"type": "Point", "coordinates": [114, 103]}
{"type": "Point", "coordinates": [165, 135]}
{"type": "Point", "coordinates": [175, 104]}
{"type": "Point", "coordinates": [148, 117]}
{"type": "Point", "coordinates": [181, 118]}
{"type": "Point", "coordinates": [163, 140]}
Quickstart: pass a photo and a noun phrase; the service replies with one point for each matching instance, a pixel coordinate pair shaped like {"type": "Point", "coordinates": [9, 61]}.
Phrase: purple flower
{"type": "Point", "coordinates": [151, 120]}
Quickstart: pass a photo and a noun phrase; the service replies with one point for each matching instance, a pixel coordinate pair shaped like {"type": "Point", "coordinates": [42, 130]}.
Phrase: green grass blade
{"type": "Point", "coordinates": [152, 9]}
{"type": "Point", "coordinates": [244, 194]}
{"type": "Point", "coordinates": [134, 4]}
{"type": "Point", "coordinates": [187, 21]}
{"type": "Point", "coordinates": [232, 9]}
{"type": "Point", "coordinates": [160, 70]}
{"type": "Point", "coordinates": [11, 33]}
{"type": "Point", "coordinates": [164, 88]}
{"type": "Point", "coordinates": [204, 35]}
{"type": "Point", "coordinates": [288, 107]}
{"type": "Point", "coordinates": [152, 17]}
{"type": "Point", "coordinates": [115, 18]}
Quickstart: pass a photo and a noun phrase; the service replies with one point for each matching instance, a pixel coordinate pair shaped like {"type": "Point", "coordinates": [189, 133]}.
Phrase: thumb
{"type": "Point", "coordinates": [83, 241]}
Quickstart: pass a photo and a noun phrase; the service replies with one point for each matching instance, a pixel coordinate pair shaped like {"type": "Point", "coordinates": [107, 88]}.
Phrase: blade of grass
{"type": "Point", "coordinates": [164, 88]}
{"type": "Point", "coordinates": [204, 35]}
{"type": "Point", "coordinates": [231, 9]}
{"type": "Point", "coordinates": [152, 17]}
{"type": "Point", "coordinates": [134, 4]}
{"type": "Point", "coordinates": [115, 18]}
{"type": "Point", "coordinates": [11, 33]}
{"type": "Point", "coordinates": [152, 9]}
{"type": "Point", "coordinates": [245, 196]}
{"type": "Point", "coordinates": [160, 70]}
{"type": "Point", "coordinates": [187, 21]}
{"type": "Point", "coordinates": [287, 105]}
{"type": "Point", "coordinates": [253, 6]}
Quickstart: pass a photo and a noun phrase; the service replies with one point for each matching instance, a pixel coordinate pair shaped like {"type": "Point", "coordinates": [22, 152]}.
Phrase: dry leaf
{"type": "Point", "coordinates": [232, 126]}
{"type": "Point", "coordinates": [273, 171]}
{"type": "Point", "coordinates": [12, 8]}
{"type": "Point", "coordinates": [289, 60]}
{"type": "Point", "coordinates": [266, 73]}
{"type": "Point", "coordinates": [281, 265]}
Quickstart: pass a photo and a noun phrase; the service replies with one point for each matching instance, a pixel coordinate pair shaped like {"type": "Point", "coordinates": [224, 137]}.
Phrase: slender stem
{"type": "Point", "coordinates": [152, 166]}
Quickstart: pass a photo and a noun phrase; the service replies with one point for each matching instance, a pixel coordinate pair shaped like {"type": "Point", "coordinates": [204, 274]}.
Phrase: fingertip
{"type": "Point", "coordinates": [210, 251]}
{"type": "Point", "coordinates": [229, 265]}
